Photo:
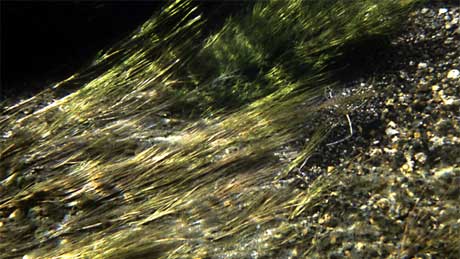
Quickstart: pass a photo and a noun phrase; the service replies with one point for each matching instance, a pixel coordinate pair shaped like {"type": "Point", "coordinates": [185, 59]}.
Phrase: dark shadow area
{"type": "Point", "coordinates": [45, 42]}
{"type": "Point", "coordinates": [360, 60]}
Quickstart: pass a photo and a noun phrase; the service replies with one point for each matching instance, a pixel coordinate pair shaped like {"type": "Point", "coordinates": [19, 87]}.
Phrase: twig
{"type": "Point", "coordinates": [303, 164]}
{"type": "Point", "coordinates": [347, 137]}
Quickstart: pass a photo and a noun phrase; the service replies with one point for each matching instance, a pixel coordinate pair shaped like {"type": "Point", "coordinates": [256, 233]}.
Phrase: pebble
{"type": "Point", "coordinates": [391, 132]}
{"type": "Point", "coordinates": [442, 11]}
{"type": "Point", "coordinates": [16, 214]}
{"type": "Point", "coordinates": [453, 74]}
{"type": "Point", "coordinates": [391, 124]}
{"type": "Point", "coordinates": [420, 157]}
{"type": "Point", "coordinates": [422, 65]}
{"type": "Point", "coordinates": [450, 101]}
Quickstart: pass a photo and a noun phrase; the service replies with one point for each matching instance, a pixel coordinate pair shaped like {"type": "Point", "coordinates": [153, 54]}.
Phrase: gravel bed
{"type": "Point", "coordinates": [398, 175]}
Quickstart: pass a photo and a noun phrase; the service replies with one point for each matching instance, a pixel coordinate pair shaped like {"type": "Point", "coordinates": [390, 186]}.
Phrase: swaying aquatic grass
{"type": "Point", "coordinates": [168, 148]}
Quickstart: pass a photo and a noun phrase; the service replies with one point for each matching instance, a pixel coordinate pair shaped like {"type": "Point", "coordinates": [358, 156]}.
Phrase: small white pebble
{"type": "Point", "coordinates": [451, 101]}
{"type": "Point", "coordinates": [389, 151]}
{"type": "Point", "coordinates": [360, 246]}
{"type": "Point", "coordinates": [392, 124]}
{"type": "Point", "coordinates": [442, 11]}
{"type": "Point", "coordinates": [453, 74]}
{"type": "Point", "coordinates": [425, 10]}
{"type": "Point", "coordinates": [391, 132]}
{"type": "Point", "coordinates": [455, 20]}
{"type": "Point", "coordinates": [422, 65]}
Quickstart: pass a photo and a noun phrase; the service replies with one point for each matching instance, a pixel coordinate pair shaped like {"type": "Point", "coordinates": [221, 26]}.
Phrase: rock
{"type": "Point", "coordinates": [442, 11]}
{"type": "Point", "coordinates": [390, 151]}
{"type": "Point", "coordinates": [391, 124]}
{"type": "Point", "coordinates": [435, 88]}
{"type": "Point", "coordinates": [455, 21]}
{"type": "Point", "coordinates": [391, 132]}
{"type": "Point", "coordinates": [17, 214]}
{"type": "Point", "coordinates": [420, 157]}
{"type": "Point", "coordinates": [453, 74]}
{"type": "Point", "coordinates": [422, 65]}
{"type": "Point", "coordinates": [451, 101]}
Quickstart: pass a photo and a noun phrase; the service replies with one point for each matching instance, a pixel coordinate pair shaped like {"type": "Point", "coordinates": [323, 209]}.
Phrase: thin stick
{"type": "Point", "coordinates": [347, 137]}
{"type": "Point", "coordinates": [303, 164]}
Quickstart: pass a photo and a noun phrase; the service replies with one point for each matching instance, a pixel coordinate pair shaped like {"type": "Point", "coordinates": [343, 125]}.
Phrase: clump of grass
{"type": "Point", "coordinates": [167, 149]}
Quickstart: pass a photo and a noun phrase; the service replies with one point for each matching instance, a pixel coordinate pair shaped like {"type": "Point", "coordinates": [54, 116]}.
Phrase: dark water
{"type": "Point", "coordinates": [44, 42]}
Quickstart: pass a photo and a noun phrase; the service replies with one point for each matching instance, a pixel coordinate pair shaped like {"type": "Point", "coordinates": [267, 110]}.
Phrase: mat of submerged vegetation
{"type": "Point", "coordinates": [383, 184]}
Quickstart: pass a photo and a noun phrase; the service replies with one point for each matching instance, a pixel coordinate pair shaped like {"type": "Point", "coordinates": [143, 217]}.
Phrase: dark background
{"type": "Point", "coordinates": [45, 42]}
